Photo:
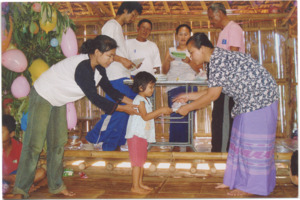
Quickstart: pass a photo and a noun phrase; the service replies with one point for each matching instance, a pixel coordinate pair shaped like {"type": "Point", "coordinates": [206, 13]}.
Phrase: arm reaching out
{"type": "Point", "coordinates": [147, 116]}
{"type": "Point", "coordinates": [129, 109]}
{"type": "Point", "coordinates": [185, 97]}
{"type": "Point", "coordinates": [206, 98]}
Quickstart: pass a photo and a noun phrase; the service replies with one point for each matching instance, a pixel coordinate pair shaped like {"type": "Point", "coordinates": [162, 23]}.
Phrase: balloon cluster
{"type": "Point", "coordinates": [15, 60]}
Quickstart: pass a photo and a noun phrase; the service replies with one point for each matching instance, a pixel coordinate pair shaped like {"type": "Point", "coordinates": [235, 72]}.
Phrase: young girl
{"type": "Point", "coordinates": [141, 129]}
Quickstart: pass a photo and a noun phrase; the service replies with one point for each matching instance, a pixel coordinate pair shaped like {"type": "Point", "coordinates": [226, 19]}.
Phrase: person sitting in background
{"type": "Point", "coordinates": [141, 47]}
{"type": "Point", "coordinates": [294, 168]}
{"type": "Point", "coordinates": [11, 156]}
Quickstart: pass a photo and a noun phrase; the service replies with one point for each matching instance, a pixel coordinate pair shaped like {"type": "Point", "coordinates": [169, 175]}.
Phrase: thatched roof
{"type": "Point", "coordinates": [163, 10]}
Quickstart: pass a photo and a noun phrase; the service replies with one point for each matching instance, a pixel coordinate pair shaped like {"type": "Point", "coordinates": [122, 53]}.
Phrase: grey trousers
{"type": "Point", "coordinates": [45, 122]}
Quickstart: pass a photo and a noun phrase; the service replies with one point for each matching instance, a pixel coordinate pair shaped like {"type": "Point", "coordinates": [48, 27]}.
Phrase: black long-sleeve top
{"type": "Point", "coordinates": [84, 77]}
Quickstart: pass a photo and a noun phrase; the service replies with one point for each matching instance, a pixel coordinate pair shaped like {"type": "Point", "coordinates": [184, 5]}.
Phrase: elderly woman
{"type": "Point", "coordinates": [250, 165]}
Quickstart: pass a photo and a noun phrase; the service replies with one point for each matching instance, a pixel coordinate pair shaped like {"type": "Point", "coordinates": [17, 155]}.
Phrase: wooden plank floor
{"type": "Point", "coordinates": [115, 184]}
{"type": "Point", "coordinates": [110, 186]}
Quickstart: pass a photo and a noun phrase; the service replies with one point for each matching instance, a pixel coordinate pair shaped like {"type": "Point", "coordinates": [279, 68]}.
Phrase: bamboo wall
{"type": "Point", "coordinates": [266, 41]}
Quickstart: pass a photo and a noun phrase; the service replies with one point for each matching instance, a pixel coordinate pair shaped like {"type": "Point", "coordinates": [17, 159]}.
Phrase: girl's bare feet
{"type": "Point", "coordinates": [146, 187]}
{"type": "Point", "coordinates": [221, 186]}
{"type": "Point", "coordinates": [237, 192]}
{"type": "Point", "coordinates": [67, 193]}
{"type": "Point", "coordinates": [140, 190]}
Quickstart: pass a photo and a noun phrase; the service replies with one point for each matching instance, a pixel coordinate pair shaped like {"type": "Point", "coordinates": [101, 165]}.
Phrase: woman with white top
{"type": "Point", "coordinates": [66, 81]}
{"type": "Point", "coordinates": [179, 69]}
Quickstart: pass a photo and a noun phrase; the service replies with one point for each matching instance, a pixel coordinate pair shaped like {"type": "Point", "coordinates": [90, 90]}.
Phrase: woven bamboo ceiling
{"type": "Point", "coordinates": [163, 10]}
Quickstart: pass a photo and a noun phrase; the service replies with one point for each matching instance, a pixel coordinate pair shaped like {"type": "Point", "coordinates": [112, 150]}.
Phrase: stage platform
{"type": "Point", "coordinates": [172, 173]}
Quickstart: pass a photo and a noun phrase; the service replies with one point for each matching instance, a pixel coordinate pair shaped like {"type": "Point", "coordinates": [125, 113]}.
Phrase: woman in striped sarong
{"type": "Point", "coordinates": [250, 165]}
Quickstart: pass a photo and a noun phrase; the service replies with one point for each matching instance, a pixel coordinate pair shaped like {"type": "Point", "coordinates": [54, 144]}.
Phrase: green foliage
{"type": "Point", "coordinates": [37, 45]}
{"type": "Point", "coordinates": [33, 45]}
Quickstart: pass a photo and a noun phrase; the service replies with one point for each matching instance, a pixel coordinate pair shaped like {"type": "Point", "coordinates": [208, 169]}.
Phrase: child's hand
{"type": "Point", "coordinates": [167, 110]}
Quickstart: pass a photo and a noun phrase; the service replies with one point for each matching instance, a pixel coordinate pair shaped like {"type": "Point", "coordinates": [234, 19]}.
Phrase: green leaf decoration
{"type": "Point", "coordinates": [33, 45]}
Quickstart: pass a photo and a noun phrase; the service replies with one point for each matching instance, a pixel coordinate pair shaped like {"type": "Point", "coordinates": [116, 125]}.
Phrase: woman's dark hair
{"type": "Point", "coordinates": [144, 20]}
{"type": "Point", "coordinates": [9, 122]}
{"type": "Point", "coordinates": [142, 79]}
{"type": "Point", "coordinates": [200, 39]}
{"type": "Point", "coordinates": [183, 25]}
{"type": "Point", "coordinates": [294, 163]}
{"type": "Point", "coordinates": [130, 6]}
{"type": "Point", "coordinates": [103, 43]}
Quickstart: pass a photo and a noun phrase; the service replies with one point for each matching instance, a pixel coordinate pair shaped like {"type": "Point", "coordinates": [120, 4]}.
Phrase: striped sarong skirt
{"type": "Point", "coordinates": [250, 163]}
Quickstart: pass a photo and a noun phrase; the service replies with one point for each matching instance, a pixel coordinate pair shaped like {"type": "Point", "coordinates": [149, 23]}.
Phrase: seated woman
{"type": "Point", "coordinates": [250, 167]}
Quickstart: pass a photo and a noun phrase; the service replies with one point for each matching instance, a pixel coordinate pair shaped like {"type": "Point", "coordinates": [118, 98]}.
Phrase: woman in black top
{"type": "Point", "coordinates": [67, 81]}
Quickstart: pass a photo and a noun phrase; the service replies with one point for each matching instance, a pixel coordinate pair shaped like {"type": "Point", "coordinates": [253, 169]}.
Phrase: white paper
{"type": "Point", "coordinates": [138, 61]}
{"type": "Point", "coordinates": [177, 57]}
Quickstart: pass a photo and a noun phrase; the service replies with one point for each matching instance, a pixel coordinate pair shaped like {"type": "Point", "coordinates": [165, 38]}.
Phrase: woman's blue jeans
{"type": "Point", "coordinates": [45, 123]}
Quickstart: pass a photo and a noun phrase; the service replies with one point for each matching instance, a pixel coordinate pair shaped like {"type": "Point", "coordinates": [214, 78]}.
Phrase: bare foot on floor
{"type": "Point", "coordinates": [33, 188]}
{"type": "Point", "coordinates": [237, 192]}
{"type": "Point", "coordinates": [140, 191]}
{"type": "Point", "coordinates": [221, 186]}
{"type": "Point", "coordinates": [146, 187]}
{"type": "Point", "coordinates": [18, 196]}
{"type": "Point", "coordinates": [43, 182]}
{"type": "Point", "coordinates": [9, 196]}
{"type": "Point", "coordinates": [67, 193]}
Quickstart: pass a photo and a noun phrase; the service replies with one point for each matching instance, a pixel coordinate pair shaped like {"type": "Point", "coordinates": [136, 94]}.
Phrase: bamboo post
{"type": "Point", "coordinates": [161, 155]}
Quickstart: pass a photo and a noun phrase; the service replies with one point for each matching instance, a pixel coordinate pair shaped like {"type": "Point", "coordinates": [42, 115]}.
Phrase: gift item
{"type": "Point", "coordinates": [177, 105]}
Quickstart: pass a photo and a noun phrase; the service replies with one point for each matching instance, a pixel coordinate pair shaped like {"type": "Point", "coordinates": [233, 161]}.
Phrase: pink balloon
{"type": "Point", "coordinates": [69, 43]}
{"type": "Point", "coordinates": [14, 60]}
{"type": "Point", "coordinates": [37, 7]}
{"type": "Point", "coordinates": [20, 87]}
{"type": "Point", "coordinates": [71, 115]}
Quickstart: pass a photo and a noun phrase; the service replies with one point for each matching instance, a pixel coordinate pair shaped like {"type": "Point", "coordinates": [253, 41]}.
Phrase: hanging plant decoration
{"type": "Point", "coordinates": [29, 28]}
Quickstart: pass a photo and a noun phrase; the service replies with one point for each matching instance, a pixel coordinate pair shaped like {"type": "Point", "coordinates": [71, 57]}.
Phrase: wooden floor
{"type": "Point", "coordinates": [104, 183]}
{"type": "Point", "coordinates": [107, 186]}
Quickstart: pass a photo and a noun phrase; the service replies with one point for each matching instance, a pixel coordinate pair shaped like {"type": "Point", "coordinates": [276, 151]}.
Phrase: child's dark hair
{"type": "Point", "coordinates": [294, 163]}
{"type": "Point", "coordinates": [142, 79]}
{"type": "Point", "coordinates": [183, 25]}
{"type": "Point", "coordinates": [103, 43]}
{"type": "Point", "coordinates": [9, 122]}
{"type": "Point", "coordinates": [130, 6]}
{"type": "Point", "coordinates": [200, 39]}
{"type": "Point", "coordinates": [144, 20]}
